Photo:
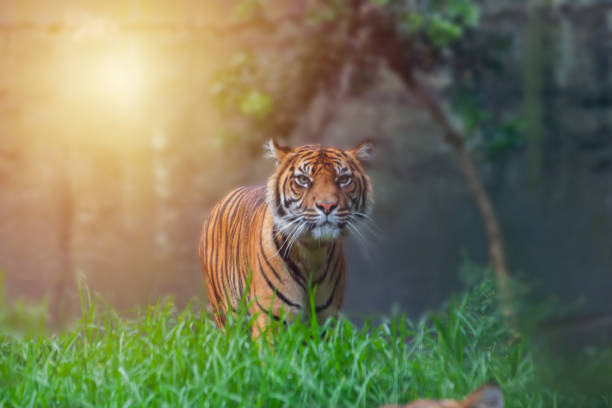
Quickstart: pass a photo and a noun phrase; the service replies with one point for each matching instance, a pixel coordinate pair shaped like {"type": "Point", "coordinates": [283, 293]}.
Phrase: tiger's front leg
{"type": "Point", "coordinates": [267, 322]}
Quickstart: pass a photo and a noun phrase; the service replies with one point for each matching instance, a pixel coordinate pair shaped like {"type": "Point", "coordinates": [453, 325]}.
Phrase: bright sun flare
{"type": "Point", "coordinates": [120, 77]}
{"type": "Point", "coordinates": [108, 86]}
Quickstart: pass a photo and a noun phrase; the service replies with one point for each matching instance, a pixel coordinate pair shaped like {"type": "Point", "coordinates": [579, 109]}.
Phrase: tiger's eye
{"type": "Point", "coordinates": [302, 180]}
{"type": "Point", "coordinates": [344, 180]}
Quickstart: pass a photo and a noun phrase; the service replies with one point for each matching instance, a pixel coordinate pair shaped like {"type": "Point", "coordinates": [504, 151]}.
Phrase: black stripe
{"type": "Point", "coordinates": [331, 297]}
{"type": "Point", "coordinates": [277, 198]}
{"type": "Point", "coordinates": [364, 190]}
{"type": "Point", "coordinates": [329, 259]}
{"type": "Point", "coordinates": [237, 255]}
{"type": "Point", "coordinates": [209, 274]}
{"type": "Point", "coordinates": [294, 271]}
{"type": "Point", "coordinates": [256, 198]}
{"type": "Point", "coordinates": [280, 295]}
{"type": "Point", "coordinates": [219, 216]}
{"type": "Point", "coordinates": [221, 319]}
{"type": "Point", "coordinates": [261, 250]}
{"type": "Point", "coordinates": [285, 181]}
{"type": "Point", "coordinates": [252, 197]}
{"type": "Point", "coordinates": [290, 201]}
{"type": "Point", "coordinates": [231, 225]}
{"type": "Point", "coordinates": [267, 312]}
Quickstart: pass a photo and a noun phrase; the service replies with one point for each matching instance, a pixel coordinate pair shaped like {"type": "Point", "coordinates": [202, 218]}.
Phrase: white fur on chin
{"type": "Point", "coordinates": [326, 233]}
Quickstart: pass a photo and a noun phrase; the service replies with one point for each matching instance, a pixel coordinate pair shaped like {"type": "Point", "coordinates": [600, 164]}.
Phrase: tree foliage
{"type": "Point", "coordinates": [335, 48]}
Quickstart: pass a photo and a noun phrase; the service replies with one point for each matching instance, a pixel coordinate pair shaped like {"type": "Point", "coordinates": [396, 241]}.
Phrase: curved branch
{"type": "Point", "coordinates": [483, 202]}
{"type": "Point", "coordinates": [395, 56]}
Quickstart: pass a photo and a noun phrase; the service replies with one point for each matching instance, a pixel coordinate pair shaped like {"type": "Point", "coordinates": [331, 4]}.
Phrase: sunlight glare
{"type": "Point", "coordinates": [106, 87]}
{"type": "Point", "coordinates": [120, 77]}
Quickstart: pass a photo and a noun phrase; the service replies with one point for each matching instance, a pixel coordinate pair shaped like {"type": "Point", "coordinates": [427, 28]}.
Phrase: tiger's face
{"type": "Point", "coordinates": [319, 192]}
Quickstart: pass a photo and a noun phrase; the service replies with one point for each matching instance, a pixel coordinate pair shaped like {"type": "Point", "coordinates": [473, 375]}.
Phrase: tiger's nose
{"type": "Point", "coordinates": [326, 206]}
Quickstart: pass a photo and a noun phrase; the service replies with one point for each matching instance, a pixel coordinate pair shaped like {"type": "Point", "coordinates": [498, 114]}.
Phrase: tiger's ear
{"type": "Point", "coordinates": [487, 396]}
{"type": "Point", "coordinates": [363, 151]}
{"type": "Point", "coordinates": [275, 151]}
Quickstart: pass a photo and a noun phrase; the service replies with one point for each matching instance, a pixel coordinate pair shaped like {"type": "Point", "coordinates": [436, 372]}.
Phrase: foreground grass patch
{"type": "Point", "coordinates": [170, 358]}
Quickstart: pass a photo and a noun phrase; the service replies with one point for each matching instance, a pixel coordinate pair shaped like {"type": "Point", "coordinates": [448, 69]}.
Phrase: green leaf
{"type": "Point", "coordinates": [248, 9]}
{"type": "Point", "coordinates": [412, 22]}
{"type": "Point", "coordinates": [443, 32]}
{"type": "Point", "coordinates": [256, 104]}
{"type": "Point", "coordinates": [240, 59]}
{"type": "Point", "coordinates": [465, 11]}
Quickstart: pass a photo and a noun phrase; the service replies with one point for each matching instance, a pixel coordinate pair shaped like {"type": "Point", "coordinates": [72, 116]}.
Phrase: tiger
{"type": "Point", "coordinates": [487, 396]}
{"type": "Point", "coordinates": [281, 244]}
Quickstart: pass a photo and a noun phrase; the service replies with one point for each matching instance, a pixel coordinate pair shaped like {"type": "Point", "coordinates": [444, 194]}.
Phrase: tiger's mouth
{"type": "Point", "coordinates": [307, 226]}
{"type": "Point", "coordinates": [326, 230]}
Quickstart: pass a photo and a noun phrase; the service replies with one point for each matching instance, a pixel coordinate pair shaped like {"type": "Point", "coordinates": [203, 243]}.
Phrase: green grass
{"type": "Point", "coordinates": [166, 357]}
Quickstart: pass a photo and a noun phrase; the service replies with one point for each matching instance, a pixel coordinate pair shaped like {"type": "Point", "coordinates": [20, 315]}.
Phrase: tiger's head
{"type": "Point", "coordinates": [319, 192]}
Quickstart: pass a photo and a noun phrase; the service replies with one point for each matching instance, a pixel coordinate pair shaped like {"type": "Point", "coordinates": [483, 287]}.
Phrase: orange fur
{"type": "Point", "coordinates": [487, 396]}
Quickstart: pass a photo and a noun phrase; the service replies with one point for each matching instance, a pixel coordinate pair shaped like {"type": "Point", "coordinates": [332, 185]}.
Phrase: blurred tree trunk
{"type": "Point", "coordinates": [162, 190]}
{"type": "Point", "coordinates": [483, 202]}
{"type": "Point", "coordinates": [532, 104]}
{"type": "Point", "coordinates": [61, 289]}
